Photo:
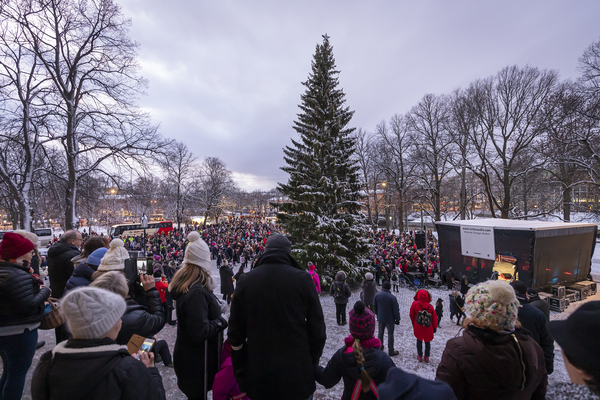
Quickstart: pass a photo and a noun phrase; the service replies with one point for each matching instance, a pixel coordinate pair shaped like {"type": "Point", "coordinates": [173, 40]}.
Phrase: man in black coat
{"type": "Point", "coordinates": [276, 327]}
{"type": "Point", "coordinates": [534, 300]}
{"type": "Point", "coordinates": [60, 266]}
{"type": "Point", "coordinates": [60, 269]}
{"type": "Point", "coordinates": [388, 315]}
{"type": "Point", "coordinates": [535, 322]}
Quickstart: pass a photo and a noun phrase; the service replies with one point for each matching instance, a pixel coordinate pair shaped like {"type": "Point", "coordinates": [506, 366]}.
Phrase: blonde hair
{"type": "Point", "coordinates": [360, 361]}
{"type": "Point", "coordinates": [187, 275]}
{"type": "Point", "coordinates": [112, 281]}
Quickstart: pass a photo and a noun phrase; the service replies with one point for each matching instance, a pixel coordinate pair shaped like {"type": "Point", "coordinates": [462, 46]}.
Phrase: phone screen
{"type": "Point", "coordinates": [147, 345]}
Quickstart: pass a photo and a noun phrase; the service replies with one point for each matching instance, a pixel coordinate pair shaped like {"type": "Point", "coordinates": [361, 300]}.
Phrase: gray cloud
{"type": "Point", "coordinates": [225, 77]}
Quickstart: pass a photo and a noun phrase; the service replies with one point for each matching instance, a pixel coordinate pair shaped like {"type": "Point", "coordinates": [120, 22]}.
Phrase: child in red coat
{"type": "Point", "coordinates": [424, 320]}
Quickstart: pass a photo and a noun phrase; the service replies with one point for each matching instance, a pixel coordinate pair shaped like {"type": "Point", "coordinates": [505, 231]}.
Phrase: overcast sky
{"type": "Point", "coordinates": [225, 76]}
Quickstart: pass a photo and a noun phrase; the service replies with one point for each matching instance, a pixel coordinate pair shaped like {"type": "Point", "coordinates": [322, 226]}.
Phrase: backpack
{"type": "Point", "coordinates": [338, 292]}
{"type": "Point", "coordinates": [424, 317]}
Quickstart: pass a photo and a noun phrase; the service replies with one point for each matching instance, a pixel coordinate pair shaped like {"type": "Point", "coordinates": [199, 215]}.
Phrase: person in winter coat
{"type": "Point", "coordinates": [341, 293]}
{"type": "Point", "coordinates": [91, 244]}
{"type": "Point", "coordinates": [60, 269]}
{"type": "Point", "coordinates": [369, 290]}
{"type": "Point", "coordinates": [534, 299]}
{"type": "Point", "coordinates": [22, 298]}
{"type": "Point", "coordinates": [360, 363]}
{"type": "Point", "coordinates": [401, 385]}
{"type": "Point", "coordinates": [535, 322]}
{"type": "Point", "coordinates": [464, 286]}
{"type": "Point", "coordinates": [225, 386]}
{"type": "Point", "coordinates": [91, 365]}
{"type": "Point", "coordinates": [137, 319]}
{"type": "Point", "coordinates": [276, 360]}
{"type": "Point", "coordinates": [424, 327]}
{"type": "Point", "coordinates": [82, 275]}
{"type": "Point", "coordinates": [199, 320]}
{"type": "Point", "coordinates": [226, 273]}
{"type": "Point", "coordinates": [579, 338]}
{"type": "Point", "coordinates": [439, 309]}
{"type": "Point", "coordinates": [494, 359]}
{"type": "Point", "coordinates": [388, 314]}
{"type": "Point", "coordinates": [457, 304]}
{"type": "Point", "coordinates": [314, 276]}
{"type": "Point", "coordinates": [162, 285]}
{"type": "Point", "coordinates": [60, 266]}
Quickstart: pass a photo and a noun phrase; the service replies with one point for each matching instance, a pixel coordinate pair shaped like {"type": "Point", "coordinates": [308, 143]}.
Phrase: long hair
{"type": "Point", "coordinates": [187, 275]}
{"type": "Point", "coordinates": [360, 361]}
{"type": "Point", "coordinates": [484, 325]}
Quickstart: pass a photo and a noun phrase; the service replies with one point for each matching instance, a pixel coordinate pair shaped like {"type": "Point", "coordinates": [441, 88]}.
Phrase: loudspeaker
{"type": "Point", "coordinates": [420, 239]}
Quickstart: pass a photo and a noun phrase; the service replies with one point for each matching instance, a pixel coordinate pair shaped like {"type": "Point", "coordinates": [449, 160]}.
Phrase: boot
{"type": "Point", "coordinates": [420, 358]}
{"type": "Point", "coordinates": [394, 353]}
{"type": "Point", "coordinates": [426, 359]}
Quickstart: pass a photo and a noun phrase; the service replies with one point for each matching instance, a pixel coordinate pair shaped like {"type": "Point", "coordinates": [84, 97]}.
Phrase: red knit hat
{"type": "Point", "coordinates": [14, 246]}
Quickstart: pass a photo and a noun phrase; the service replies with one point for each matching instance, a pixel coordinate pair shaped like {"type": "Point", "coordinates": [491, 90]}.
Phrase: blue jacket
{"type": "Point", "coordinates": [82, 276]}
{"type": "Point", "coordinates": [403, 385]}
{"type": "Point", "coordinates": [386, 307]}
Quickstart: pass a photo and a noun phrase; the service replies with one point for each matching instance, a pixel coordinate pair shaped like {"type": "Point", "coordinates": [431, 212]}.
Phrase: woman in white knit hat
{"type": "Point", "coordinates": [91, 365]}
{"type": "Point", "coordinates": [198, 320]}
{"type": "Point", "coordinates": [114, 259]}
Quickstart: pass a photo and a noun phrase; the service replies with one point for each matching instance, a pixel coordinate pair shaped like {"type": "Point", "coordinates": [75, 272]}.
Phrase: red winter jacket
{"type": "Point", "coordinates": [162, 286]}
{"type": "Point", "coordinates": [423, 302]}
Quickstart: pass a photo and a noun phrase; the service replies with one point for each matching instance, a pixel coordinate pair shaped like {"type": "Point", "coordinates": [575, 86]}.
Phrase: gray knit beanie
{"type": "Point", "coordinates": [90, 312]}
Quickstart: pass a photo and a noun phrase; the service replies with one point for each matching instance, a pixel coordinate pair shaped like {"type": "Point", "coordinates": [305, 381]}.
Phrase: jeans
{"type": "Point", "coordinates": [390, 330]}
{"type": "Point", "coordinates": [17, 354]}
{"type": "Point", "coordinates": [420, 348]}
{"type": "Point", "coordinates": [340, 313]}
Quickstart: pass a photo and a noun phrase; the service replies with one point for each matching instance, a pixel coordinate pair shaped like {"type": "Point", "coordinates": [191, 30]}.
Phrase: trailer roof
{"type": "Point", "coordinates": [515, 224]}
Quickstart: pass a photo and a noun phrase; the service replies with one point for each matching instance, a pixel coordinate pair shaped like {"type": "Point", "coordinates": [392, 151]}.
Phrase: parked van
{"type": "Point", "coordinates": [46, 236]}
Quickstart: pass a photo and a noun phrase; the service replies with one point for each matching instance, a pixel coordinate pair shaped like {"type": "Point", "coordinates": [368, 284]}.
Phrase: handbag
{"type": "Point", "coordinates": [53, 318]}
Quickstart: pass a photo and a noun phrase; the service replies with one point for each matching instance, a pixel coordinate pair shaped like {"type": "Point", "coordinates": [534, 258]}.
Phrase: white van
{"type": "Point", "coordinates": [46, 236]}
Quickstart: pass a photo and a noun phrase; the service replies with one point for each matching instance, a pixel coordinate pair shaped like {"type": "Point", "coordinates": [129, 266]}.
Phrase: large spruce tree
{"type": "Point", "coordinates": [323, 217]}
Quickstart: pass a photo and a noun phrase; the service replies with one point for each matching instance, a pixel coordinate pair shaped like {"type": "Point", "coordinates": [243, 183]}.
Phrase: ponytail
{"type": "Point", "coordinates": [360, 361]}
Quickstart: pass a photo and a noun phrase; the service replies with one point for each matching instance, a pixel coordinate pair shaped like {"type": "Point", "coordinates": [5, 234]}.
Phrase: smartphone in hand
{"type": "Point", "coordinates": [147, 345]}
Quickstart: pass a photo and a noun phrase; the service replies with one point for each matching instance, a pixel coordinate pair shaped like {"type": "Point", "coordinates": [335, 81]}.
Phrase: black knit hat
{"type": "Point", "coordinates": [578, 336]}
{"type": "Point", "coordinates": [278, 242]}
{"type": "Point", "coordinates": [362, 322]}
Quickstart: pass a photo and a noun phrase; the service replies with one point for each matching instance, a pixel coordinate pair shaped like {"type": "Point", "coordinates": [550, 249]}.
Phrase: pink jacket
{"type": "Point", "coordinates": [225, 386]}
{"type": "Point", "coordinates": [315, 277]}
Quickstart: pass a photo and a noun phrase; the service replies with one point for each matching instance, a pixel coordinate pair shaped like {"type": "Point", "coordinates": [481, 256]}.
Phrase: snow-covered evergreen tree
{"type": "Point", "coordinates": [324, 219]}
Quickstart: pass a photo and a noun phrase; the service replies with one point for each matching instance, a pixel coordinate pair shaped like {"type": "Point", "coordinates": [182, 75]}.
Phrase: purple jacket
{"type": "Point", "coordinates": [225, 386]}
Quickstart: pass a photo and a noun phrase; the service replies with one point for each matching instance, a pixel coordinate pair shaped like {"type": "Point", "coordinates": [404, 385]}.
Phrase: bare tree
{"type": "Point", "coordinates": [509, 121]}
{"type": "Point", "coordinates": [427, 122]}
{"type": "Point", "coordinates": [86, 53]}
{"type": "Point", "coordinates": [215, 182]}
{"type": "Point", "coordinates": [23, 115]}
{"type": "Point", "coordinates": [396, 147]}
{"type": "Point", "coordinates": [179, 164]}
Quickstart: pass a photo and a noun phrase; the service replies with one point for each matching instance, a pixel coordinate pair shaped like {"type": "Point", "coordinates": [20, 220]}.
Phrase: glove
{"type": "Point", "coordinates": [397, 322]}
{"type": "Point", "coordinates": [221, 323]}
{"type": "Point", "coordinates": [435, 330]}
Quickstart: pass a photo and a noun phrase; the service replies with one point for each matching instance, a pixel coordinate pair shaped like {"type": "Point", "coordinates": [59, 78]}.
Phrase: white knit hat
{"type": "Point", "coordinates": [197, 252]}
{"type": "Point", "coordinates": [90, 312]}
{"type": "Point", "coordinates": [114, 259]}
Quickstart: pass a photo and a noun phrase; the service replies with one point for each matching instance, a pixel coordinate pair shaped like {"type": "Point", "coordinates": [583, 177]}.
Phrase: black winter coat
{"type": "Point", "coordinates": [343, 366]}
{"type": "Point", "coordinates": [82, 276]}
{"type": "Point", "coordinates": [276, 314]}
{"type": "Point", "coordinates": [60, 266]}
{"type": "Point", "coordinates": [369, 288]}
{"type": "Point", "coordinates": [94, 369]}
{"type": "Point", "coordinates": [21, 299]}
{"type": "Point", "coordinates": [386, 307]}
{"type": "Point", "coordinates": [226, 273]}
{"type": "Point", "coordinates": [344, 288]}
{"type": "Point", "coordinates": [541, 305]}
{"type": "Point", "coordinates": [535, 322]}
{"type": "Point", "coordinates": [198, 320]}
{"type": "Point", "coordinates": [139, 320]}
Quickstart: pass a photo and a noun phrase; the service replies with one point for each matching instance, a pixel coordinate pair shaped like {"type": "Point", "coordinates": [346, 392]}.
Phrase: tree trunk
{"type": "Point", "coordinates": [567, 204]}
{"type": "Point", "coordinates": [463, 194]}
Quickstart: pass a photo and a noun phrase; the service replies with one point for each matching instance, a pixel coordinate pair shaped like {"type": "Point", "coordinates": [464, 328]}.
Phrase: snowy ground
{"type": "Point", "coordinates": [404, 341]}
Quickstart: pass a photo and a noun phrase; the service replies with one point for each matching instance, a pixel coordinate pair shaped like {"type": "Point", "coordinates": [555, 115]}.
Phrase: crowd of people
{"type": "Point", "coordinates": [274, 337]}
